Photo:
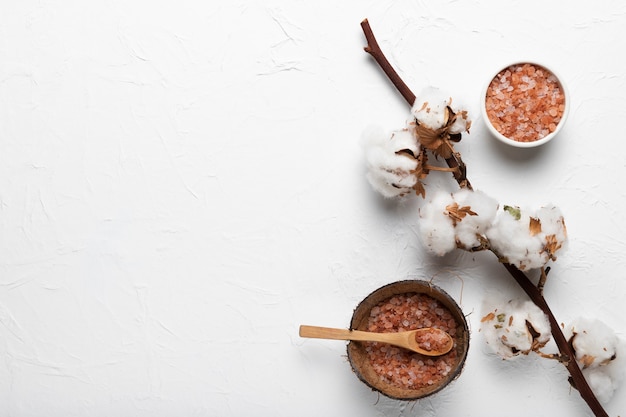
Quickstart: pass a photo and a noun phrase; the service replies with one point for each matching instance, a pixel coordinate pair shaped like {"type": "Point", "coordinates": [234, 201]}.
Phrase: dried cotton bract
{"type": "Point", "coordinates": [599, 353]}
{"type": "Point", "coordinates": [528, 239]}
{"type": "Point", "coordinates": [391, 161]}
{"type": "Point", "coordinates": [517, 327]}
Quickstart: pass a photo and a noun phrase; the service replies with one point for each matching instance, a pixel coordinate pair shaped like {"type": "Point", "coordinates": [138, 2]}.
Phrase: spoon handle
{"type": "Point", "coordinates": [317, 332]}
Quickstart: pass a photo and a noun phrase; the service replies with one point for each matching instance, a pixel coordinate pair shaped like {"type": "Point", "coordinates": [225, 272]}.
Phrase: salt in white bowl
{"type": "Point", "coordinates": [537, 142]}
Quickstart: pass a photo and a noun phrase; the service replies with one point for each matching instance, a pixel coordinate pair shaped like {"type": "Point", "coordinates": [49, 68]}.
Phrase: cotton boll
{"type": "Point", "coordinates": [604, 380]}
{"type": "Point", "coordinates": [430, 108]}
{"type": "Point", "coordinates": [594, 342]}
{"type": "Point", "coordinates": [517, 327]}
{"type": "Point", "coordinates": [470, 227]}
{"type": "Point", "coordinates": [551, 220]}
{"type": "Point", "coordinates": [553, 227]}
{"type": "Point", "coordinates": [509, 237]}
{"type": "Point", "coordinates": [390, 168]}
{"type": "Point", "coordinates": [435, 227]}
{"type": "Point", "coordinates": [600, 354]}
{"type": "Point", "coordinates": [462, 122]}
{"type": "Point", "coordinates": [459, 219]}
{"type": "Point", "coordinates": [528, 239]}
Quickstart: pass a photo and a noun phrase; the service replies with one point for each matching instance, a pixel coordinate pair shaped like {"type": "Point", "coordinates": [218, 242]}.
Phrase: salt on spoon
{"type": "Point", "coordinates": [411, 340]}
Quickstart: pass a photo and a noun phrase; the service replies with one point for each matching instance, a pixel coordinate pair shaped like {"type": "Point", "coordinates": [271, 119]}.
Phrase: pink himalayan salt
{"type": "Point", "coordinates": [525, 102]}
{"type": "Point", "coordinates": [400, 367]}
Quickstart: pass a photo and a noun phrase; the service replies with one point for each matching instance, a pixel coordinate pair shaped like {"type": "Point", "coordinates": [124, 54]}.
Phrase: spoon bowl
{"type": "Point", "coordinates": [428, 341]}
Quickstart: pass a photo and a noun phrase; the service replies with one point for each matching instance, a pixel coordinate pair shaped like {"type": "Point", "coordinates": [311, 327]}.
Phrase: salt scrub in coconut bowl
{"type": "Point", "coordinates": [525, 104]}
{"type": "Point", "coordinates": [399, 373]}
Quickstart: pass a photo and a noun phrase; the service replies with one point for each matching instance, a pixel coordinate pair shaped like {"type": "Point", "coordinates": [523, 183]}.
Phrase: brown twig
{"type": "Point", "coordinates": [543, 277]}
{"type": "Point", "coordinates": [374, 50]}
{"type": "Point", "coordinates": [533, 292]}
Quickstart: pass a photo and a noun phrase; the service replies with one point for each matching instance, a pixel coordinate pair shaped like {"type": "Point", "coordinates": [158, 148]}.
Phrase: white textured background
{"type": "Point", "coordinates": [181, 186]}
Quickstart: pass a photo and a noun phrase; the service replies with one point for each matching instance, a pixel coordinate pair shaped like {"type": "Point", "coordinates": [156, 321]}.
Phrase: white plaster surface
{"type": "Point", "coordinates": [181, 186]}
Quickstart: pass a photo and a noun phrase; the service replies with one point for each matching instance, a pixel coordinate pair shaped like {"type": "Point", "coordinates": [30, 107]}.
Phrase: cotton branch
{"type": "Point", "coordinates": [534, 292]}
{"type": "Point", "coordinates": [459, 169]}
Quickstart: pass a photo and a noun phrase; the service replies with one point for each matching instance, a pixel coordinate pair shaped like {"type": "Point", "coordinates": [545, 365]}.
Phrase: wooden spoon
{"type": "Point", "coordinates": [407, 340]}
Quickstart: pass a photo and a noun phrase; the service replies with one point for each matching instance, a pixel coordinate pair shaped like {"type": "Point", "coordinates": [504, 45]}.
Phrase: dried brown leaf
{"type": "Point", "coordinates": [534, 226]}
{"type": "Point", "coordinates": [587, 360]}
{"type": "Point", "coordinates": [406, 152]}
{"type": "Point", "coordinates": [488, 317]}
{"type": "Point", "coordinates": [420, 172]}
{"type": "Point", "coordinates": [457, 213]}
{"type": "Point", "coordinates": [552, 245]}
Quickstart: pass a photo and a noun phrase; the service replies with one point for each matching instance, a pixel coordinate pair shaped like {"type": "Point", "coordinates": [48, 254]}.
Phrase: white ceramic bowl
{"type": "Point", "coordinates": [536, 142]}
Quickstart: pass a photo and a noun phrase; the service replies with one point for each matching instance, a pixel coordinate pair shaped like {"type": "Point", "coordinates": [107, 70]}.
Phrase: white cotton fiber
{"type": "Point", "coordinates": [552, 223]}
{"type": "Point", "coordinates": [510, 238]}
{"type": "Point", "coordinates": [600, 354]}
{"type": "Point", "coordinates": [448, 221]}
{"type": "Point", "coordinates": [389, 172]}
{"type": "Point", "coordinates": [595, 343]}
{"type": "Point", "coordinates": [505, 328]}
{"type": "Point", "coordinates": [462, 122]}
{"type": "Point", "coordinates": [470, 227]}
{"type": "Point", "coordinates": [429, 108]}
{"type": "Point", "coordinates": [600, 383]}
{"type": "Point", "coordinates": [390, 184]}
{"type": "Point", "coordinates": [435, 227]}
{"type": "Point", "coordinates": [514, 239]}
{"type": "Point", "coordinates": [604, 380]}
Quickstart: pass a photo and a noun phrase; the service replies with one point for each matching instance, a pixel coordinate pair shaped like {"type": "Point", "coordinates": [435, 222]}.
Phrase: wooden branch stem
{"type": "Point", "coordinates": [374, 50]}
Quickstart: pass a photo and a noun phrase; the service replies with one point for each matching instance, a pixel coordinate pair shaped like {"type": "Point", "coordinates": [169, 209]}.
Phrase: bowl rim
{"type": "Point", "coordinates": [355, 350]}
{"type": "Point", "coordinates": [511, 142]}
